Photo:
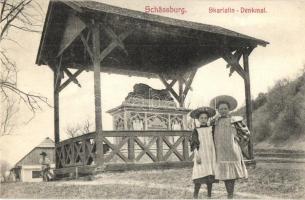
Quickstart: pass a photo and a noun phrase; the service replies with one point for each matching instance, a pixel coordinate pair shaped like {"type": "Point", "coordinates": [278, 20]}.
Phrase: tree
{"type": "Point", "coordinates": [16, 15]}
{"type": "Point", "coordinates": [23, 15]}
{"type": "Point", "coordinates": [78, 129]}
{"type": "Point", "coordinates": [4, 168]}
{"type": "Point", "coordinates": [277, 96]}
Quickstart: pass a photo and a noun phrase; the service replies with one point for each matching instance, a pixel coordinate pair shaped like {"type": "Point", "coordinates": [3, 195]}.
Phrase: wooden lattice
{"type": "Point", "coordinates": [81, 151]}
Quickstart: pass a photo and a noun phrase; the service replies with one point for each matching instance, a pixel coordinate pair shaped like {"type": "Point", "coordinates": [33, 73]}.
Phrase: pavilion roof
{"type": "Point", "coordinates": [156, 45]}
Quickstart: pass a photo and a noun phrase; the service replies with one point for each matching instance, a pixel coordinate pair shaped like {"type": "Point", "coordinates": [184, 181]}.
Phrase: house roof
{"type": "Point", "coordinates": [157, 44]}
{"type": "Point", "coordinates": [46, 143]}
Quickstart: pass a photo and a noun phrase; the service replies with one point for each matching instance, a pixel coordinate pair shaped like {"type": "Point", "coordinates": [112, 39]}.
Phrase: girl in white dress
{"type": "Point", "coordinates": [202, 145]}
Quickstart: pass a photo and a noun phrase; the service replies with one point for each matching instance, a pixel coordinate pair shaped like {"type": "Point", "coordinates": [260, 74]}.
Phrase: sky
{"type": "Point", "coordinates": [282, 26]}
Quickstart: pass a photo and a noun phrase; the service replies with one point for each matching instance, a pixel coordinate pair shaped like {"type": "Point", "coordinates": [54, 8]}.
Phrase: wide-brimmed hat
{"type": "Point", "coordinates": [197, 112]}
{"type": "Point", "coordinates": [229, 100]}
{"type": "Point", "coordinates": [43, 153]}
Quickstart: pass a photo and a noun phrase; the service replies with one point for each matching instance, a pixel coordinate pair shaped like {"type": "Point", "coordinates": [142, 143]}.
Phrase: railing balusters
{"type": "Point", "coordinates": [83, 146]}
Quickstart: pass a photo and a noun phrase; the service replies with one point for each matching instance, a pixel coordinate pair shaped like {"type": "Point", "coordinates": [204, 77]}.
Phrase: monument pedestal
{"type": "Point", "coordinates": [149, 114]}
{"type": "Point", "coordinates": [146, 109]}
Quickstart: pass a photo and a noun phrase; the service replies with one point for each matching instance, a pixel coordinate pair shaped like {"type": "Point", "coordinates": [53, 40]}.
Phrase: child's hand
{"type": "Point", "coordinates": [198, 160]}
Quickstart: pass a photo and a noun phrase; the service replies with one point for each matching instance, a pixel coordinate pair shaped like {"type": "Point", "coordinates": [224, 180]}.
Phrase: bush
{"type": "Point", "coordinates": [261, 125]}
{"type": "Point", "coordinates": [291, 119]}
{"type": "Point", "coordinates": [260, 100]}
{"type": "Point", "coordinates": [280, 113]}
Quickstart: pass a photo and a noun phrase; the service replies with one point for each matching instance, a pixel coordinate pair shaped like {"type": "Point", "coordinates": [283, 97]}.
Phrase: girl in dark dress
{"type": "Point", "coordinates": [202, 145]}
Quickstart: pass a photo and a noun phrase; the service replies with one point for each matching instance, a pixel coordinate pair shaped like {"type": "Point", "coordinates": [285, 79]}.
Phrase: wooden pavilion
{"type": "Point", "coordinates": [91, 36]}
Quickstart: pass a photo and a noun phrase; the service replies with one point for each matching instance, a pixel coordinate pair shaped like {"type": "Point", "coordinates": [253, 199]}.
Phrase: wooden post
{"type": "Point", "coordinates": [76, 172]}
{"type": "Point", "coordinates": [97, 93]}
{"type": "Point", "coordinates": [160, 148]}
{"type": "Point", "coordinates": [131, 148]}
{"type": "Point", "coordinates": [56, 106]}
{"type": "Point", "coordinates": [185, 149]}
{"type": "Point", "coordinates": [248, 102]}
{"type": "Point", "coordinates": [56, 84]}
{"type": "Point", "coordinates": [181, 98]}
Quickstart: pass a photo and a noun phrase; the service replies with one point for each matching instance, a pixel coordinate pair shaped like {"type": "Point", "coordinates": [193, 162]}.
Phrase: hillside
{"type": "Point", "coordinates": [279, 115]}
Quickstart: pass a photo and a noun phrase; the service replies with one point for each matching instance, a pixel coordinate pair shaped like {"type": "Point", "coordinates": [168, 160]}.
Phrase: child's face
{"type": "Point", "coordinates": [223, 109]}
{"type": "Point", "coordinates": [203, 118]}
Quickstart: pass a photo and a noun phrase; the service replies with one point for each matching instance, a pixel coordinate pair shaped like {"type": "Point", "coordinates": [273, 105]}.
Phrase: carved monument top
{"type": "Point", "coordinates": [143, 91]}
{"type": "Point", "coordinates": [145, 95]}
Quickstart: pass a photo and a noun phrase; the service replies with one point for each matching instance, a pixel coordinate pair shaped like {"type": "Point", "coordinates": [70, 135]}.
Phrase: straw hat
{"type": "Point", "coordinates": [197, 112]}
{"type": "Point", "coordinates": [231, 101]}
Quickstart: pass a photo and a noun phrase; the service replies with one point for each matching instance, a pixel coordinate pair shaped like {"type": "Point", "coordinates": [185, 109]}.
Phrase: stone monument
{"type": "Point", "coordinates": [149, 109]}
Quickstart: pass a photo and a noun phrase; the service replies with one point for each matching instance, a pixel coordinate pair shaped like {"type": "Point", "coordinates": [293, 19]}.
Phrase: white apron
{"type": "Point", "coordinates": [206, 152]}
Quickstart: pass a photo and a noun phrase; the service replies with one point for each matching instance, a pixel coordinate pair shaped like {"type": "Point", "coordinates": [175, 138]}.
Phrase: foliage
{"type": "Point", "coordinates": [280, 113]}
{"type": "Point", "coordinates": [4, 168]}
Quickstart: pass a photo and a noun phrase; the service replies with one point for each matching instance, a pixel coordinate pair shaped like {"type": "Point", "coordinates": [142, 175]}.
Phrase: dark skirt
{"type": "Point", "coordinates": [206, 180]}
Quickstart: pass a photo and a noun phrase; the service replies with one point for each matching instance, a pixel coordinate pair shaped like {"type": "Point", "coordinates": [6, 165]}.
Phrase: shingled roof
{"type": "Point", "coordinates": [46, 143]}
{"type": "Point", "coordinates": [32, 157]}
{"type": "Point", "coordinates": [95, 6]}
{"type": "Point", "coordinates": [157, 44]}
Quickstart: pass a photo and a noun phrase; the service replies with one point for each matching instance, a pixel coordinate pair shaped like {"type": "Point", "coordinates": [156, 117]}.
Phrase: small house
{"type": "Point", "coordinates": [28, 168]}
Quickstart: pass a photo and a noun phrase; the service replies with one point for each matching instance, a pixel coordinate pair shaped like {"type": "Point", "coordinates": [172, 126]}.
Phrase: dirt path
{"type": "Point", "coordinates": [267, 165]}
{"type": "Point", "coordinates": [106, 181]}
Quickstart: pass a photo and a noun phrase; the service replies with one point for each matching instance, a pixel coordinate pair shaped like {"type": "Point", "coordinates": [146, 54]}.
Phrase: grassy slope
{"type": "Point", "coordinates": [279, 115]}
{"type": "Point", "coordinates": [161, 184]}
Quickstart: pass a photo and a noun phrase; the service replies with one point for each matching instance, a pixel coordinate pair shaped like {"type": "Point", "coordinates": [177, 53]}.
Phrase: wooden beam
{"type": "Point", "coordinates": [86, 45]}
{"type": "Point", "coordinates": [248, 103]}
{"type": "Point", "coordinates": [237, 55]}
{"type": "Point", "coordinates": [97, 93]}
{"type": "Point", "coordinates": [160, 148]}
{"type": "Point", "coordinates": [185, 81]}
{"type": "Point", "coordinates": [185, 146]}
{"type": "Point", "coordinates": [115, 38]}
{"type": "Point", "coordinates": [146, 149]}
{"type": "Point", "coordinates": [234, 62]}
{"type": "Point", "coordinates": [114, 44]}
{"type": "Point", "coordinates": [87, 40]}
{"type": "Point", "coordinates": [73, 28]}
{"type": "Point", "coordinates": [148, 166]}
{"type": "Point", "coordinates": [56, 107]}
{"type": "Point", "coordinates": [172, 83]}
{"type": "Point", "coordinates": [248, 50]}
{"type": "Point", "coordinates": [116, 149]}
{"type": "Point", "coordinates": [189, 83]}
{"type": "Point", "coordinates": [169, 87]}
{"type": "Point", "coordinates": [70, 75]}
{"type": "Point", "coordinates": [173, 149]}
{"type": "Point", "coordinates": [71, 78]}
{"type": "Point", "coordinates": [74, 6]}
{"type": "Point", "coordinates": [181, 97]}
{"type": "Point", "coordinates": [131, 148]}
{"type": "Point", "coordinates": [58, 72]}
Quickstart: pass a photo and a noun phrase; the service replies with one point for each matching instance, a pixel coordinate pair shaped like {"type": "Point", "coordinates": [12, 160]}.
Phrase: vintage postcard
{"type": "Point", "coordinates": [152, 99]}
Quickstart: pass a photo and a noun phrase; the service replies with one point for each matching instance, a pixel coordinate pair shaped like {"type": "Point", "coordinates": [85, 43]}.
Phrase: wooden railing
{"type": "Point", "coordinates": [125, 147]}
